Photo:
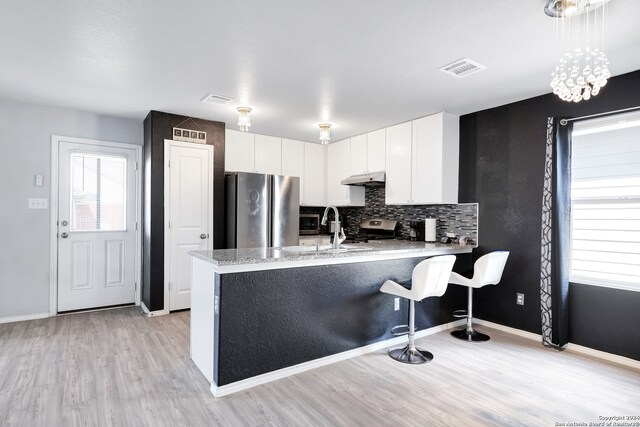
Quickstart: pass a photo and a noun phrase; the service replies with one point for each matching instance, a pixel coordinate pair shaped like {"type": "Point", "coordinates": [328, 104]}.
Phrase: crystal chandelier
{"type": "Point", "coordinates": [583, 68]}
{"type": "Point", "coordinates": [244, 120]}
{"type": "Point", "coordinates": [325, 132]}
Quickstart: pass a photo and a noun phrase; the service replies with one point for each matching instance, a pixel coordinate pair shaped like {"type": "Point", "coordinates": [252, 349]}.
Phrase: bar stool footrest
{"type": "Point", "coordinates": [397, 333]}
{"type": "Point", "coordinates": [459, 314]}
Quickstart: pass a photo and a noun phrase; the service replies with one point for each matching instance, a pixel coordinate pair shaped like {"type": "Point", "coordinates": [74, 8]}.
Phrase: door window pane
{"type": "Point", "coordinates": [98, 192]}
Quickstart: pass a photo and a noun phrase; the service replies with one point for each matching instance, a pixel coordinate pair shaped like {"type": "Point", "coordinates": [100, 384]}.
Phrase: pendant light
{"type": "Point", "coordinates": [583, 68]}
{"type": "Point", "coordinates": [244, 119]}
{"type": "Point", "coordinates": [325, 133]}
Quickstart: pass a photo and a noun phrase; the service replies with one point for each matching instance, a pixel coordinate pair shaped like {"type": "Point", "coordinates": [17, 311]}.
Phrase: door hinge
{"type": "Point", "coordinates": [169, 286]}
{"type": "Point", "coordinates": [135, 287]}
{"type": "Point", "coordinates": [136, 225]}
{"type": "Point", "coordinates": [169, 224]}
{"type": "Point", "coordinates": [169, 163]}
{"type": "Point", "coordinates": [136, 165]}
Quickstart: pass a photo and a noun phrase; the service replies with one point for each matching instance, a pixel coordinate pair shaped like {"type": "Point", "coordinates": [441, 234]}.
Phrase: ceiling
{"type": "Point", "coordinates": [359, 64]}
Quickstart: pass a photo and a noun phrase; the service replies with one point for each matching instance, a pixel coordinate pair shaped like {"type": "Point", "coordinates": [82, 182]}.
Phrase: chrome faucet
{"type": "Point", "coordinates": [338, 232]}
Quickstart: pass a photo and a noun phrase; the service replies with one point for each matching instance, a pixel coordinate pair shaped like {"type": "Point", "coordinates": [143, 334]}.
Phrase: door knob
{"type": "Point", "coordinates": [64, 235]}
{"type": "Point", "coordinates": [64, 223]}
{"type": "Point", "coordinates": [203, 236]}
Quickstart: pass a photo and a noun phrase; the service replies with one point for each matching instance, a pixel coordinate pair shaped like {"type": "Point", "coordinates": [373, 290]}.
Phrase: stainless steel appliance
{"type": "Point", "coordinates": [374, 229]}
{"type": "Point", "coordinates": [371, 179]}
{"type": "Point", "coordinates": [309, 224]}
{"type": "Point", "coordinates": [262, 210]}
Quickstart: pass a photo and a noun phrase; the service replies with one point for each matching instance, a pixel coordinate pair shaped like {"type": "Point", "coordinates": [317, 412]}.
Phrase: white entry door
{"type": "Point", "coordinates": [97, 213]}
{"type": "Point", "coordinates": [188, 213]}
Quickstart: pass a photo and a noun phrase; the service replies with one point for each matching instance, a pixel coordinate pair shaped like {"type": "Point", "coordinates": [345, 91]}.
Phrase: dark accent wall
{"type": "Point", "coordinates": [273, 319]}
{"type": "Point", "coordinates": [158, 126]}
{"type": "Point", "coordinates": [502, 153]}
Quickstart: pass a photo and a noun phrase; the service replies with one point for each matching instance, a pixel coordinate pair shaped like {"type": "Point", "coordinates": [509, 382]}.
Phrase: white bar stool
{"type": "Point", "coordinates": [487, 270]}
{"type": "Point", "coordinates": [429, 278]}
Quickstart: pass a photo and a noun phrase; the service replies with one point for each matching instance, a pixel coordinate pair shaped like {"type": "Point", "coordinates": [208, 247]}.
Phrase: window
{"type": "Point", "coordinates": [605, 197]}
{"type": "Point", "coordinates": [98, 192]}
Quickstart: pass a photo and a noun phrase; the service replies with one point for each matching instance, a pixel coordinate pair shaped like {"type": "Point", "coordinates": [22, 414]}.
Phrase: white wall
{"type": "Point", "coordinates": [25, 141]}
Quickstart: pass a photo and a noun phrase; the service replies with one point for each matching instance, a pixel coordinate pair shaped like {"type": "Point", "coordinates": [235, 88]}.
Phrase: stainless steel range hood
{"type": "Point", "coordinates": [371, 179]}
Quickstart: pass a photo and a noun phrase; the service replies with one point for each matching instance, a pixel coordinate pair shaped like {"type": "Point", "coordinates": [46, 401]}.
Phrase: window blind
{"type": "Point", "coordinates": [605, 197]}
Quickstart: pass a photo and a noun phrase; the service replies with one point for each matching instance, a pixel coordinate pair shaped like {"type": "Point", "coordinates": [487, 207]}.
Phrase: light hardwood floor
{"type": "Point", "coordinates": [117, 367]}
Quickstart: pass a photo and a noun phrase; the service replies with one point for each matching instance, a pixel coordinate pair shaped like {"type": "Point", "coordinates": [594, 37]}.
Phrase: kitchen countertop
{"type": "Point", "coordinates": [254, 259]}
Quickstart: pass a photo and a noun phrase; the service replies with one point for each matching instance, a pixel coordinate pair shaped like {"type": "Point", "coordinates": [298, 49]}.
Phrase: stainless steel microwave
{"type": "Point", "coordinates": [309, 224]}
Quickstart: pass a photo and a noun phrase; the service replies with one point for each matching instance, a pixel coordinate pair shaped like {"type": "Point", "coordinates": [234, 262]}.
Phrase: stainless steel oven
{"type": "Point", "coordinates": [309, 224]}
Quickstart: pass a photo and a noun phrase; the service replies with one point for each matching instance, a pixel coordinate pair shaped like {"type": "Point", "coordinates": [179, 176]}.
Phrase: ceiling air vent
{"type": "Point", "coordinates": [462, 68]}
{"type": "Point", "coordinates": [216, 99]}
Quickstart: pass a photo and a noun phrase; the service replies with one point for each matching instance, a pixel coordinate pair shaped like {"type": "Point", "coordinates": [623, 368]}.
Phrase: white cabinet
{"type": "Point", "coordinates": [314, 175]}
{"type": "Point", "coordinates": [422, 161]}
{"type": "Point", "coordinates": [398, 169]}
{"type": "Point", "coordinates": [338, 168]}
{"type": "Point", "coordinates": [293, 161]}
{"type": "Point", "coordinates": [239, 151]}
{"type": "Point", "coordinates": [358, 155]}
{"type": "Point", "coordinates": [268, 155]}
{"type": "Point", "coordinates": [368, 152]}
{"type": "Point", "coordinates": [250, 152]}
{"type": "Point", "coordinates": [376, 150]}
{"type": "Point", "coordinates": [434, 168]}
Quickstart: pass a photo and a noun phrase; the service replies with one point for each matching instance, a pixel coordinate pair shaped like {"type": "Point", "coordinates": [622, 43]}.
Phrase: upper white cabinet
{"type": "Point", "coordinates": [268, 155]}
{"type": "Point", "coordinates": [239, 151]}
{"type": "Point", "coordinates": [338, 168]}
{"type": "Point", "coordinates": [422, 161]}
{"type": "Point", "coordinates": [293, 161]}
{"type": "Point", "coordinates": [368, 152]}
{"type": "Point", "coordinates": [376, 150]}
{"type": "Point", "coordinates": [358, 155]}
{"type": "Point", "coordinates": [250, 152]}
{"type": "Point", "coordinates": [314, 188]}
{"type": "Point", "coordinates": [434, 168]}
{"type": "Point", "coordinates": [398, 169]}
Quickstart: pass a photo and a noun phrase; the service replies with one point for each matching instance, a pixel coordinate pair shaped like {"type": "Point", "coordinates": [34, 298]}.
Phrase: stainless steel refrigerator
{"type": "Point", "coordinates": [262, 210]}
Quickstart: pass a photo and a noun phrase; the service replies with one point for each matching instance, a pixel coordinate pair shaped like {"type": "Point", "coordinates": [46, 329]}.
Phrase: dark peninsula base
{"type": "Point", "coordinates": [272, 319]}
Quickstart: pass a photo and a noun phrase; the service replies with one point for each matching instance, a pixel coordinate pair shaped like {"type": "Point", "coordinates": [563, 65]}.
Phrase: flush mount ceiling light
{"type": "Point", "coordinates": [325, 132]}
{"type": "Point", "coordinates": [583, 68]}
{"type": "Point", "coordinates": [244, 119]}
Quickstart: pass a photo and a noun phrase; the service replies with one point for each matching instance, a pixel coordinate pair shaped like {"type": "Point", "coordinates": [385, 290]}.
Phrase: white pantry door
{"type": "Point", "coordinates": [96, 226]}
{"type": "Point", "coordinates": [189, 209]}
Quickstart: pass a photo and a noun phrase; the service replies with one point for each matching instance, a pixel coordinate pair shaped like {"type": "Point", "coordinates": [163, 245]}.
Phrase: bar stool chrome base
{"type": "Point", "coordinates": [415, 356]}
{"type": "Point", "coordinates": [471, 336]}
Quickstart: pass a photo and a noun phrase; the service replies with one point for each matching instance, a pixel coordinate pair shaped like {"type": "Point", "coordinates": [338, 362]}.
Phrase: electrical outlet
{"type": "Point", "coordinates": [37, 203]}
{"type": "Point", "coordinates": [396, 304]}
{"type": "Point", "coordinates": [519, 299]}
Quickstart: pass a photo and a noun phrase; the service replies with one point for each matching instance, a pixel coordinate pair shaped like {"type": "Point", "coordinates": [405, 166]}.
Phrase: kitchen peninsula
{"type": "Point", "coordinates": [257, 314]}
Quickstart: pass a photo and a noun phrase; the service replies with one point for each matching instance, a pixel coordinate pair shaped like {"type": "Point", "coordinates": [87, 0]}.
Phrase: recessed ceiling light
{"type": "Point", "coordinates": [462, 68]}
{"type": "Point", "coordinates": [216, 99]}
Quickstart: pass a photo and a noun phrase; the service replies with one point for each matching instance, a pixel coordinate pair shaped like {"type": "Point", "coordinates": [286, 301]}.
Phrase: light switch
{"type": "Point", "coordinates": [38, 204]}
{"type": "Point", "coordinates": [39, 180]}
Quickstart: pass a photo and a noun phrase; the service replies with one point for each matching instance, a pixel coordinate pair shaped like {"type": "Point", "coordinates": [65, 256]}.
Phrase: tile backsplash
{"type": "Point", "coordinates": [461, 219]}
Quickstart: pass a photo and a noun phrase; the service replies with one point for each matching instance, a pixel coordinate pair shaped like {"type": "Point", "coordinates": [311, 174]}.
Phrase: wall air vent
{"type": "Point", "coordinates": [216, 99]}
{"type": "Point", "coordinates": [462, 68]}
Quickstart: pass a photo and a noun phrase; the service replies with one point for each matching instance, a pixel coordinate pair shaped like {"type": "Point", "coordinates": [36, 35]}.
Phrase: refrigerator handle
{"type": "Point", "coordinates": [270, 213]}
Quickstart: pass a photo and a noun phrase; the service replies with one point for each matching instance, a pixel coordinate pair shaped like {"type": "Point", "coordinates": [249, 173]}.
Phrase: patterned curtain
{"type": "Point", "coordinates": [556, 233]}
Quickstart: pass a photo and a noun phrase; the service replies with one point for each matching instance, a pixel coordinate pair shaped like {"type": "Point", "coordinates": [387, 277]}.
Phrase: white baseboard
{"type": "Point", "coordinates": [575, 348]}
{"type": "Point", "coordinates": [24, 317]}
{"type": "Point", "coordinates": [621, 360]}
{"type": "Point", "coordinates": [149, 313]}
{"type": "Point", "coordinates": [312, 364]}
{"type": "Point", "coordinates": [513, 331]}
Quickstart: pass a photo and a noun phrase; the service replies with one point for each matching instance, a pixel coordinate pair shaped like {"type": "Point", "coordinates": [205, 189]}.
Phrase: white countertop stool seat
{"type": "Point", "coordinates": [487, 270]}
{"type": "Point", "coordinates": [429, 278]}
